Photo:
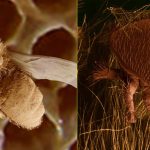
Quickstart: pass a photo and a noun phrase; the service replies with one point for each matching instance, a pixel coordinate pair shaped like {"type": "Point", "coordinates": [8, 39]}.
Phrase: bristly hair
{"type": "Point", "coordinates": [6, 66]}
{"type": "Point", "coordinates": [2, 48]}
{"type": "Point", "coordinates": [101, 72]}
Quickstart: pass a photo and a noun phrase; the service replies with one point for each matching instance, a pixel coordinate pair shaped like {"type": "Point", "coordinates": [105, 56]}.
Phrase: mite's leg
{"type": "Point", "coordinates": [105, 73]}
{"type": "Point", "coordinates": [146, 97]}
{"type": "Point", "coordinates": [129, 93]}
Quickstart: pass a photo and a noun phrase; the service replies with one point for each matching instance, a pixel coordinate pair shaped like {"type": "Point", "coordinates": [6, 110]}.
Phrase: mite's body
{"type": "Point", "coordinates": [131, 45]}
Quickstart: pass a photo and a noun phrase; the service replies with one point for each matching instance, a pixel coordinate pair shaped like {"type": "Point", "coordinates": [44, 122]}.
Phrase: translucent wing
{"type": "Point", "coordinates": [51, 68]}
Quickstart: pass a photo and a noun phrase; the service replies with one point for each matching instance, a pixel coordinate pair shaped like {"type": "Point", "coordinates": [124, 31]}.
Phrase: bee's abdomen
{"type": "Point", "coordinates": [22, 101]}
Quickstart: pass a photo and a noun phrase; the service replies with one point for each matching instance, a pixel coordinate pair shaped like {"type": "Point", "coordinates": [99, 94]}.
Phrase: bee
{"type": "Point", "coordinates": [20, 98]}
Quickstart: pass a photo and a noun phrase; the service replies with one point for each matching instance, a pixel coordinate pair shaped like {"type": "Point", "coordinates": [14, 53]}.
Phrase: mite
{"type": "Point", "coordinates": [131, 46]}
{"type": "Point", "coordinates": [20, 99]}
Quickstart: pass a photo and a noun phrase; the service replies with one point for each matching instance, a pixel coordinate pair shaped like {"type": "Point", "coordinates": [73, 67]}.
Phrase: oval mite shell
{"type": "Point", "coordinates": [131, 44]}
{"type": "Point", "coordinates": [20, 98]}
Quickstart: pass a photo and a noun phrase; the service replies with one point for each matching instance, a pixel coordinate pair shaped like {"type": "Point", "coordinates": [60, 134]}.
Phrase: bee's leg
{"type": "Point", "coordinates": [129, 93]}
{"type": "Point", "coordinates": [146, 97]}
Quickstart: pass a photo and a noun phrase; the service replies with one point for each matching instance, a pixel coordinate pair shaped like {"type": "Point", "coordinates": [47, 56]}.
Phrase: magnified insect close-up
{"type": "Point", "coordinates": [113, 80]}
{"type": "Point", "coordinates": [38, 75]}
{"type": "Point", "coordinates": [20, 97]}
{"type": "Point", "coordinates": [131, 46]}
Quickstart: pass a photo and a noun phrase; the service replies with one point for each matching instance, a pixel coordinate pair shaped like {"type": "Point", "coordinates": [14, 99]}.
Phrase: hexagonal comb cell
{"type": "Point", "coordinates": [58, 43]}
{"type": "Point", "coordinates": [9, 19]}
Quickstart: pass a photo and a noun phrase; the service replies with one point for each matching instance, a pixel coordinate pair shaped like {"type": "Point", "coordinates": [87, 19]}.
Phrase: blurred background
{"type": "Point", "coordinates": [43, 27]}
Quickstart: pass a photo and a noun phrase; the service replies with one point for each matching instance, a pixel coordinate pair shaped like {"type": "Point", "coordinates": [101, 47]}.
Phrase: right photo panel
{"type": "Point", "coordinates": [113, 75]}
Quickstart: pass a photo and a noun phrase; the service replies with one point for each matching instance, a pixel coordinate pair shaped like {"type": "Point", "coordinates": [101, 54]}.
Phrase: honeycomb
{"type": "Point", "coordinates": [43, 27]}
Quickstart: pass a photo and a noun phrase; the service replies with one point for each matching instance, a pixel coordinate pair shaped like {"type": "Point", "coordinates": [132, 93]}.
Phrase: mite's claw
{"type": "Point", "coordinates": [146, 98]}
{"type": "Point", "coordinates": [130, 91]}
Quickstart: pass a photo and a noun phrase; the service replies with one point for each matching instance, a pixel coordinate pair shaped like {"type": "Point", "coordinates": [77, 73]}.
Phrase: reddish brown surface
{"type": "Point", "coordinates": [131, 44]}
{"type": "Point", "coordinates": [67, 100]}
{"type": "Point", "coordinates": [57, 43]}
{"type": "Point", "coordinates": [45, 83]}
{"type": "Point", "coordinates": [74, 146]}
{"type": "Point", "coordinates": [9, 19]}
{"type": "Point", "coordinates": [41, 138]}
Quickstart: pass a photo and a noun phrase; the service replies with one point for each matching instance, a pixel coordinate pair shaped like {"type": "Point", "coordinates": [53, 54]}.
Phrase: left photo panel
{"type": "Point", "coordinates": [38, 75]}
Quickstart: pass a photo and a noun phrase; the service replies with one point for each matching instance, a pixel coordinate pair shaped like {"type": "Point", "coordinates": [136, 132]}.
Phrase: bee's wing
{"type": "Point", "coordinates": [51, 68]}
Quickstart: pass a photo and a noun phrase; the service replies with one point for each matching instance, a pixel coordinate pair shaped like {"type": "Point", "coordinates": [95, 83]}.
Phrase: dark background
{"type": "Point", "coordinates": [87, 102]}
{"type": "Point", "coordinates": [91, 7]}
